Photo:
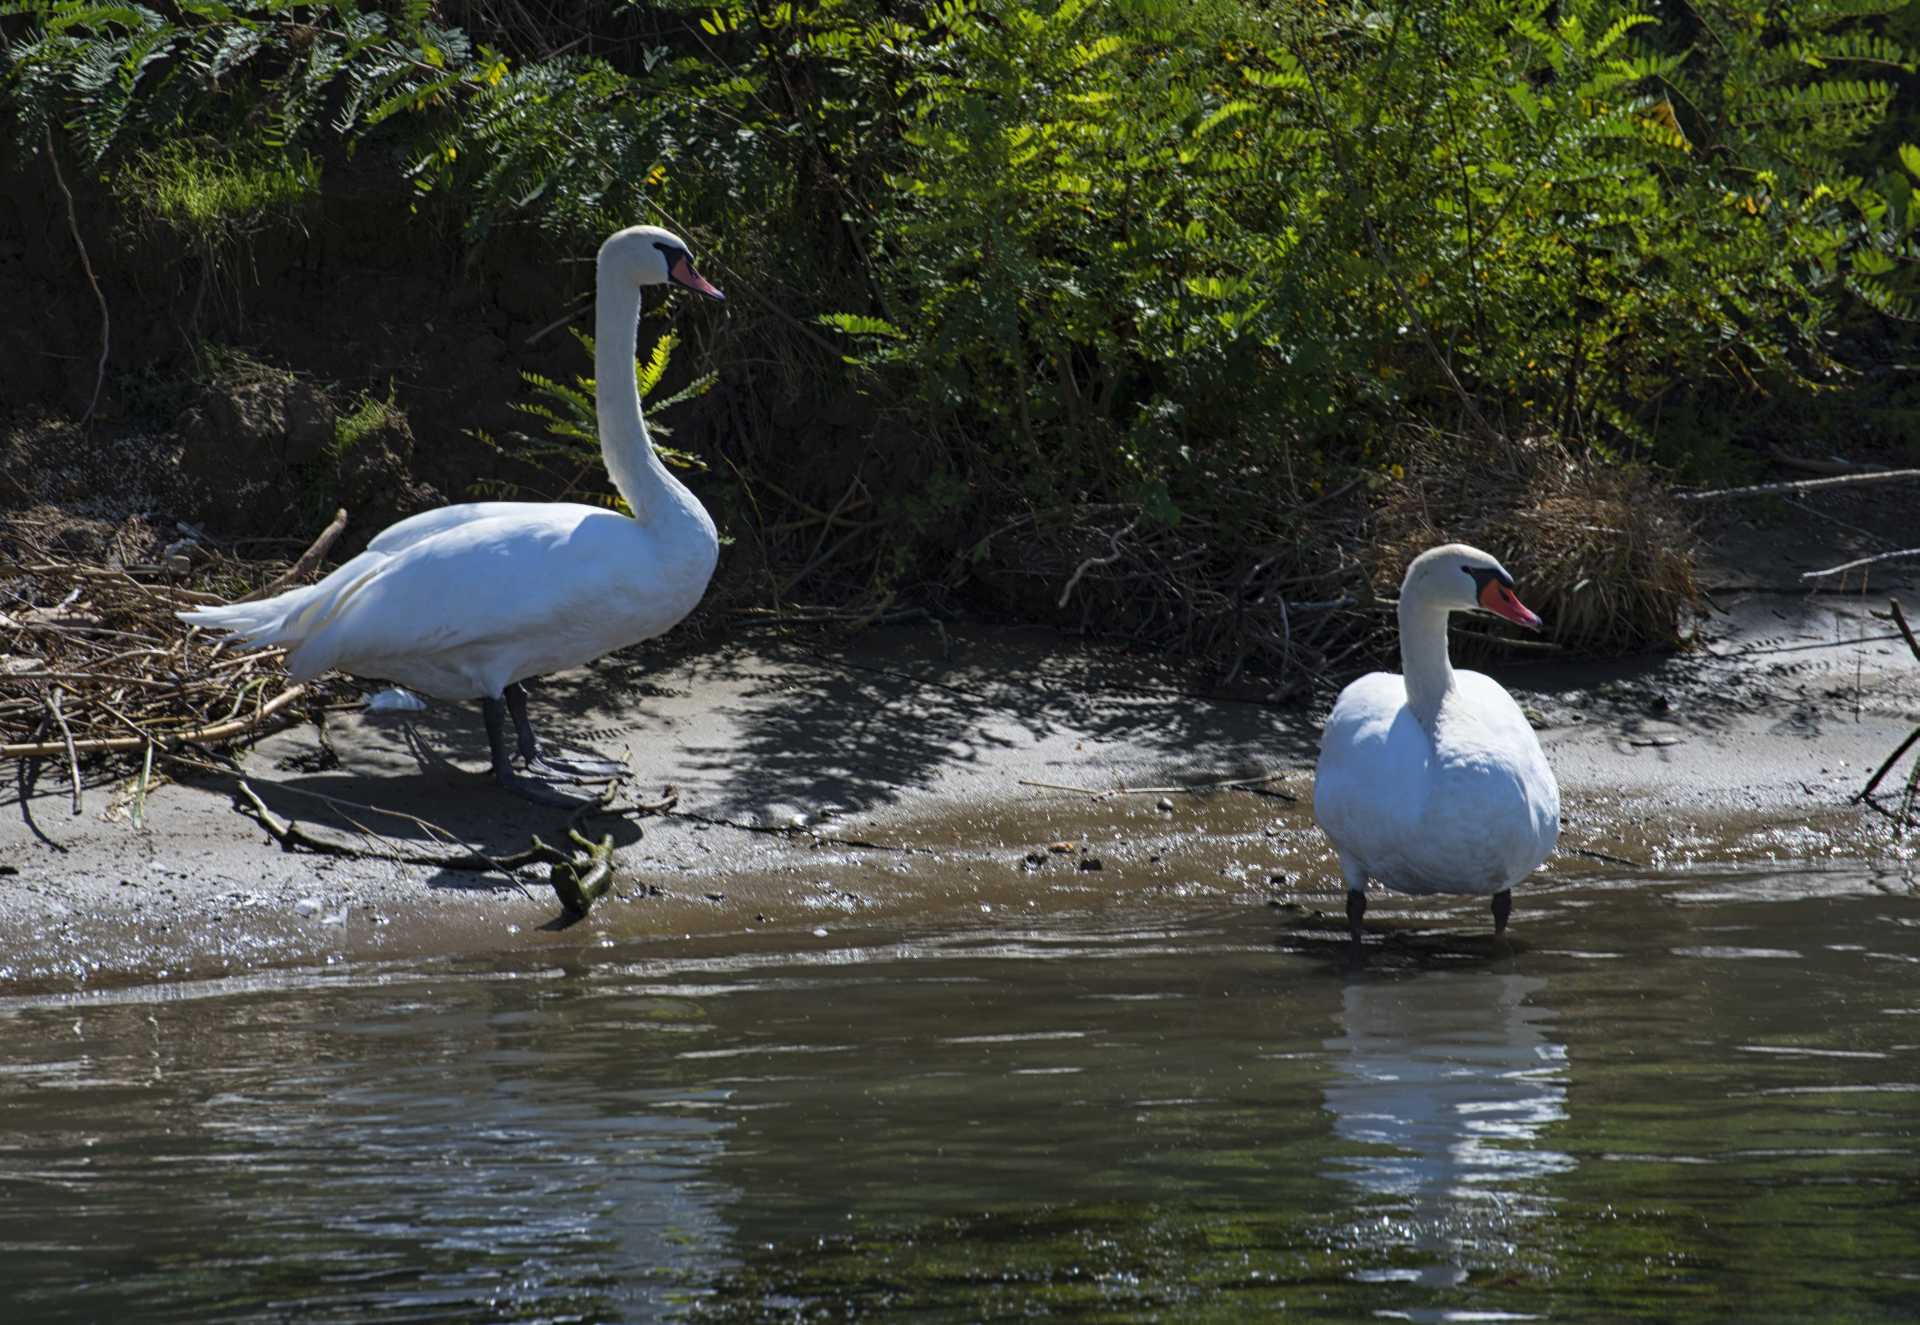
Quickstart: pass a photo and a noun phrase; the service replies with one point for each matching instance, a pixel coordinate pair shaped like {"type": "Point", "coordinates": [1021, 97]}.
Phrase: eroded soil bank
{"type": "Point", "coordinates": [897, 775]}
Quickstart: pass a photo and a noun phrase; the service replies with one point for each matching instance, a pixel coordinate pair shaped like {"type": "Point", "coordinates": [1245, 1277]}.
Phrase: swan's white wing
{"type": "Point", "coordinates": [1501, 774]}
{"type": "Point", "coordinates": [1372, 785]}
{"type": "Point", "coordinates": [405, 533]}
{"type": "Point", "coordinates": [489, 600]}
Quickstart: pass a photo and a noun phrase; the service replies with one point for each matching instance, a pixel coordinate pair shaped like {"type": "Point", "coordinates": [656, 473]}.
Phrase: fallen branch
{"type": "Point", "coordinates": [1799, 485]}
{"type": "Point", "coordinates": [1818, 466]}
{"type": "Point", "coordinates": [1591, 854]}
{"type": "Point", "coordinates": [1899, 619]}
{"type": "Point", "coordinates": [73, 758]}
{"type": "Point", "coordinates": [1863, 561]}
{"type": "Point", "coordinates": [1190, 789]}
{"type": "Point", "coordinates": [468, 858]}
{"type": "Point", "coordinates": [785, 830]}
{"type": "Point", "coordinates": [308, 560]}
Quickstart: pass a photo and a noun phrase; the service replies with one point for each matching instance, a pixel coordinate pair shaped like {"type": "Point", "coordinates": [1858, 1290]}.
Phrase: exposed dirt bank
{"type": "Point", "coordinates": [924, 745]}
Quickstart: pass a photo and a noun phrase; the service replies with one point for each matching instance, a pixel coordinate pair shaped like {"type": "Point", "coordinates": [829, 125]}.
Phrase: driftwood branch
{"type": "Point", "coordinates": [1800, 485]}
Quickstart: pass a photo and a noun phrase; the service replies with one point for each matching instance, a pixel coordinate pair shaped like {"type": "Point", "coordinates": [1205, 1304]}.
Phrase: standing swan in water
{"type": "Point", "coordinates": [465, 602]}
{"type": "Point", "coordinates": [1433, 781]}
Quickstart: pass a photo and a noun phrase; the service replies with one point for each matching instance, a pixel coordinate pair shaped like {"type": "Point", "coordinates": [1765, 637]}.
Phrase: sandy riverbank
{"type": "Point", "coordinates": [923, 744]}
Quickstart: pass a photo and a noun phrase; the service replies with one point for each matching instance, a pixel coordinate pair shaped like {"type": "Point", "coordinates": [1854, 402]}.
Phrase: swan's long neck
{"type": "Point", "coordinates": [1423, 656]}
{"type": "Point", "coordinates": [624, 444]}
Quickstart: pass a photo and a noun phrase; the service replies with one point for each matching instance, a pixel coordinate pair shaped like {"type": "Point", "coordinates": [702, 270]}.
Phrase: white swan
{"type": "Point", "coordinates": [1433, 781]}
{"type": "Point", "coordinates": [467, 601]}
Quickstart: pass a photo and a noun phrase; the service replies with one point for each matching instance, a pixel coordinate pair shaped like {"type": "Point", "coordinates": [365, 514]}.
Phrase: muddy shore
{"type": "Point", "coordinates": [826, 785]}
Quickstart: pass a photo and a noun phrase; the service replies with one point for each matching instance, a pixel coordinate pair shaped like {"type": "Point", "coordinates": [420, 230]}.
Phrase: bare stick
{"type": "Point", "coordinates": [1885, 768]}
{"type": "Point", "coordinates": [1609, 858]}
{"type": "Point", "coordinates": [1800, 485]}
{"type": "Point", "coordinates": [73, 758]}
{"type": "Point", "coordinates": [308, 560]}
{"type": "Point", "coordinates": [1900, 620]}
{"type": "Point", "coordinates": [210, 735]}
{"type": "Point", "coordinates": [1113, 540]}
{"type": "Point", "coordinates": [1863, 561]}
{"type": "Point", "coordinates": [782, 830]}
{"type": "Point", "coordinates": [1818, 466]}
{"type": "Point", "coordinates": [1191, 789]}
{"type": "Point", "coordinates": [86, 263]}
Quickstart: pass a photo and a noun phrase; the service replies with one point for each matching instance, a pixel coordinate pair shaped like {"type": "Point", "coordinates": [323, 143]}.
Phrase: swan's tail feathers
{"type": "Point", "coordinates": [249, 622]}
{"type": "Point", "coordinates": [290, 619]}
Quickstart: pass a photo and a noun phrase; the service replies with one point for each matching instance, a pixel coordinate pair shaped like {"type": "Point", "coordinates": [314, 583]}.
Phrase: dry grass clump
{"type": "Point", "coordinates": [93, 660]}
{"type": "Point", "coordinates": [1600, 551]}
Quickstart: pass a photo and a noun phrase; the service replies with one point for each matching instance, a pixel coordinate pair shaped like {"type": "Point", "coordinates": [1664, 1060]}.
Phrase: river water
{"type": "Point", "coordinates": [1675, 1097]}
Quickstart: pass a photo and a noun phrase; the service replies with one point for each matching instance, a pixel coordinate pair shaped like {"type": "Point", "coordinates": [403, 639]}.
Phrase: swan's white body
{"type": "Point", "coordinates": [464, 601]}
{"type": "Point", "coordinates": [1432, 781]}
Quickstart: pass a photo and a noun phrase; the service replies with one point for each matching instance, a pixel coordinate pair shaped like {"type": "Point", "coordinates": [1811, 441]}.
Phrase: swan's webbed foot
{"type": "Point", "coordinates": [572, 768]}
{"type": "Point", "coordinates": [528, 788]}
{"type": "Point", "coordinates": [1356, 910]}
{"type": "Point", "coordinates": [588, 768]}
{"type": "Point", "coordinates": [1502, 908]}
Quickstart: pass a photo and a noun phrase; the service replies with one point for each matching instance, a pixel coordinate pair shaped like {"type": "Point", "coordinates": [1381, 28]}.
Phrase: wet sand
{"type": "Point", "coordinates": [824, 783]}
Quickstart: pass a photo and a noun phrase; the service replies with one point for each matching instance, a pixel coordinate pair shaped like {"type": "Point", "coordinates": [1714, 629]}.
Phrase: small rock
{"type": "Point", "coordinates": [1035, 859]}
{"type": "Point", "coordinates": [1164, 805]}
{"type": "Point", "coordinates": [716, 897]}
{"type": "Point", "coordinates": [1092, 863]}
{"type": "Point", "coordinates": [819, 933]}
{"type": "Point", "coordinates": [1062, 848]}
{"type": "Point", "coordinates": [307, 906]}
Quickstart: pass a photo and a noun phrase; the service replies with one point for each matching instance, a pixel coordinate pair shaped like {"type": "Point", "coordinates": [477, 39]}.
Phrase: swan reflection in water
{"type": "Point", "coordinates": [1449, 1082]}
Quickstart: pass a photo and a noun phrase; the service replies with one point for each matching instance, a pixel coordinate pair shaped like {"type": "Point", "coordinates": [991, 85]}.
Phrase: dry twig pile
{"type": "Point", "coordinates": [93, 660]}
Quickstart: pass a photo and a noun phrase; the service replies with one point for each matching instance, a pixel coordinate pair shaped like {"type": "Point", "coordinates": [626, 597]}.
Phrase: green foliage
{"type": "Point", "coordinates": [1152, 244]}
{"type": "Point", "coordinates": [370, 414]}
{"type": "Point", "coordinates": [209, 195]}
{"type": "Point", "coordinates": [570, 450]}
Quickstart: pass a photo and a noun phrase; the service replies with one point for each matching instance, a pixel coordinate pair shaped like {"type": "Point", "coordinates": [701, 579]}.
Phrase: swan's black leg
{"type": "Point", "coordinates": [495, 714]}
{"type": "Point", "coordinates": [1502, 908]}
{"type": "Point", "coordinates": [590, 769]}
{"type": "Point", "coordinates": [516, 696]}
{"type": "Point", "coordinates": [1356, 909]}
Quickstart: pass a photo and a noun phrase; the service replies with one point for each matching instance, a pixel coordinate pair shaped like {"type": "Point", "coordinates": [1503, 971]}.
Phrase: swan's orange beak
{"type": "Point", "coordinates": [1498, 599]}
{"type": "Point", "coordinates": [682, 273]}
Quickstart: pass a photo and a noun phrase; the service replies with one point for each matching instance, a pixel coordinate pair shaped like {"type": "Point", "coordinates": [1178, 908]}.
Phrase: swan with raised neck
{"type": "Point", "coordinates": [468, 601]}
{"type": "Point", "coordinates": [1431, 780]}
